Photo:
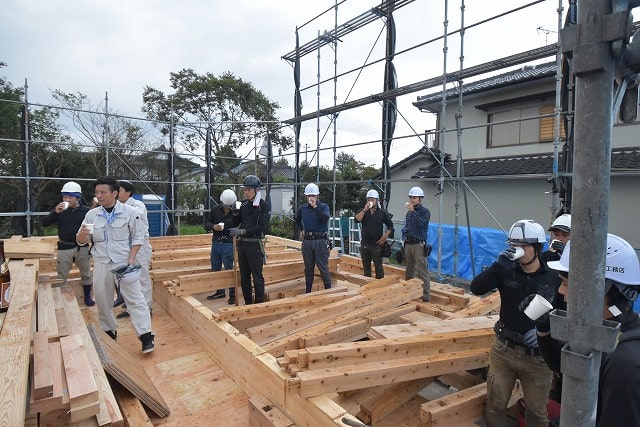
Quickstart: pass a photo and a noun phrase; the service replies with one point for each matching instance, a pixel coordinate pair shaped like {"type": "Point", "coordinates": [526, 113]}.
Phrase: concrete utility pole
{"type": "Point", "coordinates": [595, 43]}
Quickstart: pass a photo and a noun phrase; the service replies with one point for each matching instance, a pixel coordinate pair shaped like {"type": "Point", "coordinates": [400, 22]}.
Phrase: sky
{"type": "Point", "coordinates": [120, 46]}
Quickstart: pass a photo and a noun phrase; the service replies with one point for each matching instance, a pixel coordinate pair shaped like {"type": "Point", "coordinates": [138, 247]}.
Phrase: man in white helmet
{"type": "Point", "coordinates": [312, 218]}
{"type": "Point", "coordinates": [69, 214]}
{"type": "Point", "coordinates": [219, 221]}
{"type": "Point", "coordinates": [514, 354]}
{"type": "Point", "coordinates": [414, 234]}
{"type": "Point", "coordinates": [619, 384]}
{"type": "Point", "coordinates": [373, 217]}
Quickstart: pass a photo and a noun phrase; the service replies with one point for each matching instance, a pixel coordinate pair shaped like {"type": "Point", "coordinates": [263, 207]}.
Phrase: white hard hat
{"type": "Point", "coordinates": [373, 193]}
{"type": "Point", "coordinates": [71, 187]}
{"type": "Point", "coordinates": [563, 223]}
{"type": "Point", "coordinates": [127, 274]}
{"type": "Point", "coordinates": [621, 262]}
{"type": "Point", "coordinates": [416, 191]}
{"type": "Point", "coordinates": [228, 197]}
{"type": "Point", "coordinates": [311, 190]}
{"type": "Point", "coordinates": [526, 232]}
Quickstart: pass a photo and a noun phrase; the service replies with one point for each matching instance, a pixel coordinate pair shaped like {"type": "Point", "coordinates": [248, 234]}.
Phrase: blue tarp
{"type": "Point", "coordinates": [487, 244]}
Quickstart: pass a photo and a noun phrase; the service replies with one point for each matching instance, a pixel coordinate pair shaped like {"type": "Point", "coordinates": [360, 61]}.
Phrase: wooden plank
{"type": "Point", "coordinates": [131, 407]}
{"type": "Point", "coordinates": [433, 327]}
{"type": "Point", "coordinates": [60, 395]}
{"type": "Point", "coordinates": [175, 264]}
{"type": "Point", "coordinates": [47, 311]}
{"type": "Point", "coordinates": [14, 249]}
{"type": "Point", "coordinates": [456, 408]}
{"type": "Point", "coordinates": [62, 321]}
{"type": "Point", "coordinates": [262, 413]}
{"type": "Point", "coordinates": [83, 390]}
{"type": "Point", "coordinates": [125, 369]}
{"type": "Point", "coordinates": [343, 378]}
{"type": "Point", "coordinates": [15, 343]}
{"type": "Point", "coordinates": [109, 411]}
{"type": "Point", "coordinates": [482, 307]}
{"type": "Point", "coordinates": [345, 354]}
{"type": "Point", "coordinates": [42, 368]}
{"type": "Point", "coordinates": [386, 399]}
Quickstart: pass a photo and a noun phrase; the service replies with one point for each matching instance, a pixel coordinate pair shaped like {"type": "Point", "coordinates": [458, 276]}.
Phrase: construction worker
{"type": "Point", "coordinates": [69, 214]}
{"type": "Point", "coordinates": [117, 232]}
{"type": "Point", "coordinates": [312, 219]}
{"type": "Point", "coordinates": [373, 217]}
{"type": "Point", "coordinates": [619, 384]}
{"type": "Point", "coordinates": [560, 234]}
{"type": "Point", "coordinates": [414, 236]}
{"type": "Point", "coordinates": [517, 273]}
{"type": "Point", "coordinates": [219, 221]}
{"type": "Point", "coordinates": [251, 223]}
{"type": "Point", "coordinates": [143, 258]}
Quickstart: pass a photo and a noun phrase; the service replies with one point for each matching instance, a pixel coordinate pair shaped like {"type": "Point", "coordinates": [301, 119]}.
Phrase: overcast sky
{"type": "Point", "coordinates": [120, 46]}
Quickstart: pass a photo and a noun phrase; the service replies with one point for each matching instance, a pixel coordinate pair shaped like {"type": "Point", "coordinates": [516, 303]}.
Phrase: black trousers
{"type": "Point", "coordinates": [250, 262]}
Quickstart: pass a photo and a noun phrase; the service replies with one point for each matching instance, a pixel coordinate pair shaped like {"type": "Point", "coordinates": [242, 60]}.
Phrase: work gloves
{"type": "Point", "coordinates": [543, 324]}
{"type": "Point", "coordinates": [530, 338]}
{"type": "Point", "coordinates": [506, 258]}
{"type": "Point", "coordinates": [558, 246]}
{"type": "Point", "coordinates": [237, 231]}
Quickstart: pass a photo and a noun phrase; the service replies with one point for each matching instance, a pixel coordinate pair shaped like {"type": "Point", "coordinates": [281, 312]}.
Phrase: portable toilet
{"type": "Point", "coordinates": [156, 213]}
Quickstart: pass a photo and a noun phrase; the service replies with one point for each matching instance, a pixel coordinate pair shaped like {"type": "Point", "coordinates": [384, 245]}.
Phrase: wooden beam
{"type": "Point", "coordinates": [15, 342]}
{"type": "Point", "coordinates": [47, 311]}
{"type": "Point", "coordinates": [131, 407]}
{"type": "Point", "coordinates": [83, 390]}
{"type": "Point", "coordinates": [109, 411]}
{"type": "Point", "coordinates": [343, 378]}
{"type": "Point", "coordinates": [59, 398]}
{"type": "Point", "coordinates": [433, 327]}
{"type": "Point", "coordinates": [385, 399]}
{"type": "Point", "coordinates": [263, 414]}
{"type": "Point", "coordinates": [42, 368]}
{"type": "Point", "coordinates": [252, 369]}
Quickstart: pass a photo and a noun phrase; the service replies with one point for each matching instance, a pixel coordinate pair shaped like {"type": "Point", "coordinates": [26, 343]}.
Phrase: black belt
{"type": "Point", "coordinates": [412, 241]}
{"type": "Point", "coordinates": [518, 347]}
{"type": "Point", "coordinates": [312, 235]}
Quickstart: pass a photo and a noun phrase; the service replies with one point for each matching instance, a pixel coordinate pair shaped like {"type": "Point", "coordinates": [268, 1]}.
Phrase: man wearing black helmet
{"type": "Point", "coordinates": [251, 225]}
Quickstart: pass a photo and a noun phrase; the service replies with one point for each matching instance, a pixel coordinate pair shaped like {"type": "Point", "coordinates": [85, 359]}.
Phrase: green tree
{"type": "Point", "coordinates": [233, 110]}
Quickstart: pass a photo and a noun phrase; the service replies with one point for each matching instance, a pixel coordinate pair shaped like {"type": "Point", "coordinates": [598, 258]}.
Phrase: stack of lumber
{"type": "Point", "coordinates": [80, 388]}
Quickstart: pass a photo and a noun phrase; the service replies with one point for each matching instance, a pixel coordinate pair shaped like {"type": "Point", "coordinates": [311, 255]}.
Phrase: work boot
{"type": "Point", "coordinates": [113, 335]}
{"type": "Point", "coordinates": [88, 301]}
{"type": "Point", "coordinates": [232, 300]}
{"type": "Point", "coordinates": [119, 299]}
{"type": "Point", "coordinates": [219, 294]}
{"type": "Point", "coordinates": [122, 314]}
{"type": "Point", "coordinates": [147, 342]}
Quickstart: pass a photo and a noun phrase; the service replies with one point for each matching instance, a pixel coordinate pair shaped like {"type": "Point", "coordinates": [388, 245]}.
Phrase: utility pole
{"type": "Point", "coordinates": [595, 42]}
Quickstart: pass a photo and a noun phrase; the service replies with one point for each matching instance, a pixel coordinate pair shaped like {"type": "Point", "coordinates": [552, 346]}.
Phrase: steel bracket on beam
{"type": "Point", "coordinates": [604, 339]}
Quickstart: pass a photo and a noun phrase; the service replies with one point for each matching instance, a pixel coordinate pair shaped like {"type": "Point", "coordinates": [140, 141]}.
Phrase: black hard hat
{"type": "Point", "coordinates": [251, 181]}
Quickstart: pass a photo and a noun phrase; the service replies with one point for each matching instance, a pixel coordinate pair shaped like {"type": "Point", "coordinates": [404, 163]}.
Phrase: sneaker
{"type": "Point", "coordinates": [118, 301]}
{"type": "Point", "coordinates": [112, 334]}
{"type": "Point", "coordinates": [231, 301]}
{"type": "Point", "coordinates": [147, 342]}
{"type": "Point", "coordinates": [219, 294]}
{"type": "Point", "coordinates": [122, 314]}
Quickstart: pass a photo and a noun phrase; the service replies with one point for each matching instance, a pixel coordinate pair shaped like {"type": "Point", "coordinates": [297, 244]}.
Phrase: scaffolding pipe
{"type": "Point", "coordinates": [27, 159]}
{"type": "Point", "coordinates": [441, 135]}
{"type": "Point", "coordinates": [459, 160]}
{"type": "Point", "coordinates": [335, 128]}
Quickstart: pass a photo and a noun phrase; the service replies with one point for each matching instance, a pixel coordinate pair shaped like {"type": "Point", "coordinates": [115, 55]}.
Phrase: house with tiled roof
{"type": "Point", "coordinates": [505, 157]}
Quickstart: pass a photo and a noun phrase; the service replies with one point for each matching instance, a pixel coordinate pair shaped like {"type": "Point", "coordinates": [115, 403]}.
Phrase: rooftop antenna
{"type": "Point", "coordinates": [546, 32]}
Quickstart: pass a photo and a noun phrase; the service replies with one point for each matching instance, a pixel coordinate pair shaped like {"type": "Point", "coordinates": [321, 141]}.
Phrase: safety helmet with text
{"type": "Point", "coordinates": [416, 192]}
{"type": "Point", "coordinates": [373, 194]}
{"type": "Point", "coordinates": [526, 232]}
{"type": "Point", "coordinates": [228, 197]}
{"type": "Point", "coordinates": [562, 223]}
{"type": "Point", "coordinates": [73, 188]}
{"type": "Point", "coordinates": [311, 190]}
{"type": "Point", "coordinates": [251, 181]}
{"type": "Point", "coordinates": [127, 274]}
{"type": "Point", "coordinates": [621, 262]}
